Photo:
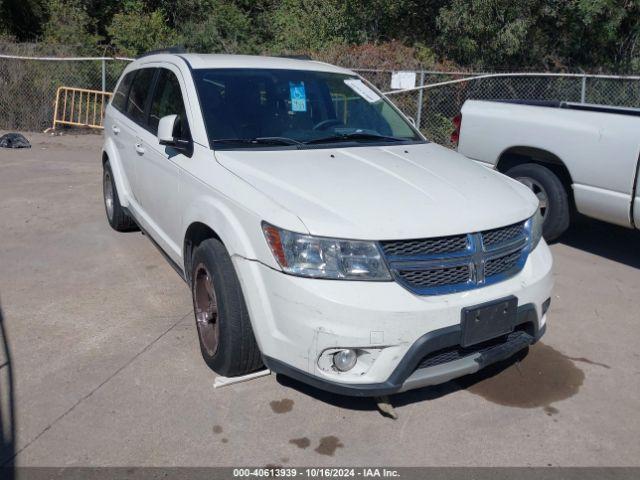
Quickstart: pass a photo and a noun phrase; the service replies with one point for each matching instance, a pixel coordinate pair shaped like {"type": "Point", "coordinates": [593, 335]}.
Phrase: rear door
{"type": "Point", "coordinates": [114, 129]}
{"type": "Point", "coordinates": [133, 121]}
{"type": "Point", "coordinates": [159, 166]}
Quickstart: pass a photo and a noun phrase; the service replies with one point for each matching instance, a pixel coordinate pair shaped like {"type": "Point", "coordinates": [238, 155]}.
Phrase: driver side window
{"type": "Point", "coordinates": [167, 100]}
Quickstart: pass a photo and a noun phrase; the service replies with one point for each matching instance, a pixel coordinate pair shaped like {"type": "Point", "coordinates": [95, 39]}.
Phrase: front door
{"type": "Point", "coordinates": [159, 166]}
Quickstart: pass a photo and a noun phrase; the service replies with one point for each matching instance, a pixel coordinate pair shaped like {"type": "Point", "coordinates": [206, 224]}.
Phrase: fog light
{"type": "Point", "coordinates": [345, 359]}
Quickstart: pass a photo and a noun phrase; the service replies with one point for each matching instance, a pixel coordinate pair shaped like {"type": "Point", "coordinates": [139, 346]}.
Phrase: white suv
{"type": "Point", "coordinates": [320, 233]}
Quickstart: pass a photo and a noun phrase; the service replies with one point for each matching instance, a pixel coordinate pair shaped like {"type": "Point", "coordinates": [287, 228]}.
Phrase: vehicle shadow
{"type": "Point", "coordinates": [605, 240]}
{"type": "Point", "coordinates": [401, 399]}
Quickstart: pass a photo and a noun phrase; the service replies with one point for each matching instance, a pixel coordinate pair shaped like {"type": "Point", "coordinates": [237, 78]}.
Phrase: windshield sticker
{"type": "Point", "coordinates": [298, 97]}
{"type": "Point", "coordinates": [361, 89]}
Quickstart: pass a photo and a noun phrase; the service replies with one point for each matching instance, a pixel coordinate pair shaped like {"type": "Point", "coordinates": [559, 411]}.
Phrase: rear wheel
{"type": "Point", "coordinates": [552, 196]}
{"type": "Point", "coordinates": [116, 216]}
{"type": "Point", "coordinates": [227, 342]}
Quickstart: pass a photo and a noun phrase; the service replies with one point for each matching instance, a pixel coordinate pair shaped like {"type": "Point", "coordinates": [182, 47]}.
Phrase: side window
{"type": "Point", "coordinates": [167, 100]}
{"type": "Point", "coordinates": [119, 100]}
{"type": "Point", "coordinates": [139, 93]}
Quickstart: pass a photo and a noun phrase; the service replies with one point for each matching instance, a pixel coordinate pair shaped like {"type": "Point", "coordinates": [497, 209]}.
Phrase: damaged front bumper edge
{"type": "Point", "coordinates": [408, 375]}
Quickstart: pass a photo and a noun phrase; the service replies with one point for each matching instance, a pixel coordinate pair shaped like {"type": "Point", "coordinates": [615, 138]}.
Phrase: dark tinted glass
{"type": "Point", "coordinates": [167, 100]}
{"type": "Point", "coordinates": [119, 100]}
{"type": "Point", "coordinates": [138, 94]}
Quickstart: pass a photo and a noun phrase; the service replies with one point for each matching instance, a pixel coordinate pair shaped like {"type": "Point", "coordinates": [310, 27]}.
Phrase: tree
{"type": "Point", "coordinates": [70, 24]}
{"type": "Point", "coordinates": [219, 27]}
{"type": "Point", "coordinates": [312, 25]}
{"type": "Point", "coordinates": [21, 19]}
{"type": "Point", "coordinates": [543, 34]}
{"type": "Point", "coordinates": [134, 30]}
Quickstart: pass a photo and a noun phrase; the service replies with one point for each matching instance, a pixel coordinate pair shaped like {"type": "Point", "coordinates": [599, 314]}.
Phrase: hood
{"type": "Point", "coordinates": [383, 193]}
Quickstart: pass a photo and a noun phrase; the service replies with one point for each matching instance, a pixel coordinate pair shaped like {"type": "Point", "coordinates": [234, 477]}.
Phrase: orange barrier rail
{"type": "Point", "coordinates": [80, 107]}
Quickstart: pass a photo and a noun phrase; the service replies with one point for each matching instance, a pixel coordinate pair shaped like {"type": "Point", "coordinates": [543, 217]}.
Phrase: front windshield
{"type": "Point", "coordinates": [244, 108]}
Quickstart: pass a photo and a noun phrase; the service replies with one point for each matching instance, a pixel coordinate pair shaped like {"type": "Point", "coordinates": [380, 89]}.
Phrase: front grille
{"type": "Point", "coordinates": [498, 236]}
{"type": "Point", "coordinates": [433, 266]}
{"type": "Point", "coordinates": [436, 277]}
{"type": "Point", "coordinates": [425, 246]}
{"type": "Point", "coordinates": [457, 352]}
{"type": "Point", "coordinates": [502, 264]}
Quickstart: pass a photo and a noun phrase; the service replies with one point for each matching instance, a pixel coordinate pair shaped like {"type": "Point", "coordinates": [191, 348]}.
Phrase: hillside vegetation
{"type": "Point", "coordinates": [557, 35]}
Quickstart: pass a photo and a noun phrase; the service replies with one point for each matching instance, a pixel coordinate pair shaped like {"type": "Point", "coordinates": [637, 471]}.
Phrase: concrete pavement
{"type": "Point", "coordinates": [108, 370]}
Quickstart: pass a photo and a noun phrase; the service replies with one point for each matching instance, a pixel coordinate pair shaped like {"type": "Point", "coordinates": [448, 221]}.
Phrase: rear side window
{"type": "Point", "coordinates": [167, 100]}
{"type": "Point", "coordinates": [119, 100]}
{"type": "Point", "coordinates": [139, 93]}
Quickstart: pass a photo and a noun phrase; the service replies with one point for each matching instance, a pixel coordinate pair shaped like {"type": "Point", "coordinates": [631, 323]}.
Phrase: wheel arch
{"type": "Point", "coordinates": [519, 155]}
{"type": "Point", "coordinates": [196, 233]}
{"type": "Point", "coordinates": [238, 230]}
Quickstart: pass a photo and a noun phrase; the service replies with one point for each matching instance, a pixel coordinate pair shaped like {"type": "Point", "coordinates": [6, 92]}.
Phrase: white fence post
{"type": "Point", "coordinates": [104, 75]}
{"type": "Point", "coordinates": [419, 108]}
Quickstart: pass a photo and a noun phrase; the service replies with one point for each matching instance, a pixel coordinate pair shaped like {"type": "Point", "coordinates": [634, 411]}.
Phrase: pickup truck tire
{"type": "Point", "coordinates": [116, 215]}
{"type": "Point", "coordinates": [227, 342]}
{"type": "Point", "coordinates": [553, 197]}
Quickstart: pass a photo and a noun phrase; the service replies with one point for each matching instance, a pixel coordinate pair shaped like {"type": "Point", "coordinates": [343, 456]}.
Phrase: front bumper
{"type": "Point", "coordinates": [409, 376]}
{"type": "Point", "coordinates": [298, 320]}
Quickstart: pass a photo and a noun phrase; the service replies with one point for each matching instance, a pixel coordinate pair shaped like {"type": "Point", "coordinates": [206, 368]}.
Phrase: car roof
{"type": "Point", "coordinates": [200, 61]}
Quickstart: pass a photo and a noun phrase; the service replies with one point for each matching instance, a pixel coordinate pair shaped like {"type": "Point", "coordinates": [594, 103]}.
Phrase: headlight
{"type": "Point", "coordinates": [321, 257]}
{"type": "Point", "coordinates": [535, 228]}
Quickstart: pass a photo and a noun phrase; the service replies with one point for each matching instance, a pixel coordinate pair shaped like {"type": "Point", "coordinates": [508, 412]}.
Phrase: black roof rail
{"type": "Point", "coordinates": [174, 49]}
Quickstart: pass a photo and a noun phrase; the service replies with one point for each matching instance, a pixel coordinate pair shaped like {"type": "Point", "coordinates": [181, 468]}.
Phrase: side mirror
{"type": "Point", "coordinates": [165, 130]}
{"type": "Point", "coordinates": [166, 127]}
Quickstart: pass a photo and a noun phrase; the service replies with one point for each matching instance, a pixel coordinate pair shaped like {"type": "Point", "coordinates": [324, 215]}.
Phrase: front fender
{"type": "Point", "coordinates": [238, 228]}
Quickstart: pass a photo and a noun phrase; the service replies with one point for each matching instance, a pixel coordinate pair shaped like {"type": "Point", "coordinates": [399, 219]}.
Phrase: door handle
{"type": "Point", "coordinates": [139, 148]}
{"type": "Point", "coordinates": [115, 129]}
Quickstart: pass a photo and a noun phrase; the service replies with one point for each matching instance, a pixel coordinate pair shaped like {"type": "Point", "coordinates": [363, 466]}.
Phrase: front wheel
{"type": "Point", "coordinates": [227, 342]}
{"type": "Point", "coordinates": [552, 197]}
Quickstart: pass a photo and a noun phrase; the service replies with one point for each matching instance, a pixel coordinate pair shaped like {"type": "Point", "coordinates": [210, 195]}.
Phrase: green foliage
{"type": "Point", "coordinates": [550, 34]}
{"type": "Point", "coordinates": [70, 24]}
{"type": "Point", "coordinates": [21, 19]}
{"type": "Point", "coordinates": [314, 25]}
{"type": "Point", "coordinates": [220, 28]}
{"type": "Point", "coordinates": [309, 24]}
{"type": "Point", "coordinates": [481, 34]}
{"type": "Point", "coordinates": [135, 30]}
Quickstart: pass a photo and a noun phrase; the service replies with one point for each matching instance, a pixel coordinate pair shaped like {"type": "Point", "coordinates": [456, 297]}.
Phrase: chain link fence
{"type": "Point", "coordinates": [439, 96]}
{"type": "Point", "coordinates": [28, 87]}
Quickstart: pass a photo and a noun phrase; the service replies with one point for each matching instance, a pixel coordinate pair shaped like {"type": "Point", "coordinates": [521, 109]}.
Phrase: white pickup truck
{"type": "Point", "coordinates": [573, 156]}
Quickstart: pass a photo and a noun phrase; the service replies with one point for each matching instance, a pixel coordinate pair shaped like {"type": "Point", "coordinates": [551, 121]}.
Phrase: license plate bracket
{"type": "Point", "coordinates": [489, 320]}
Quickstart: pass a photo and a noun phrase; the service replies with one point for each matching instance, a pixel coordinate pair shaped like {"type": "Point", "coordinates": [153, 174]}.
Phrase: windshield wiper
{"type": "Point", "coordinates": [258, 141]}
{"type": "Point", "coordinates": [354, 136]}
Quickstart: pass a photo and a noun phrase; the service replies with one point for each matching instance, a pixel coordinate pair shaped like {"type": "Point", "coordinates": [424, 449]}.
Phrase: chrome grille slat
{"type": "Point", "coordinates": [438, 276]}
{"type": "Point", "coordinates": [424, 246]}
{"type": "Point", "coordinates": [501, 264]}
{"type": "Point", "coordinates": [498, 236]}
{"type": "Point", "coordinates": [455, 263]}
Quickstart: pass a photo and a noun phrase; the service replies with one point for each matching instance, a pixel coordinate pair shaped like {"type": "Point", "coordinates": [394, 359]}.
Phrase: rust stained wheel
{"type": "Point", "coordinates": [226, 338]}
{"type": "Point", "coordinates": [205, 304]}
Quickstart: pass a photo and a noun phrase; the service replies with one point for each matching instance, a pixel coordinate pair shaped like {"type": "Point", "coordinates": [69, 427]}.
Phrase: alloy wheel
{"type": "Point", "coordinates": [206, 309]}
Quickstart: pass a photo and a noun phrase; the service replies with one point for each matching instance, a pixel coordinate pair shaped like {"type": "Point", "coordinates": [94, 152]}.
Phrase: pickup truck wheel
{"type": "Point", "coordinates": [553, 198]}
{"type": "Point", "coordinates": [116, 216]}
{"type": "Point", "coordinates": [227, 342]}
